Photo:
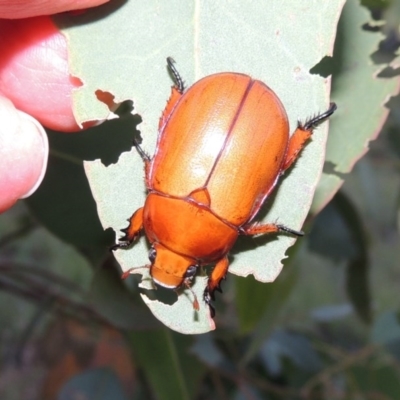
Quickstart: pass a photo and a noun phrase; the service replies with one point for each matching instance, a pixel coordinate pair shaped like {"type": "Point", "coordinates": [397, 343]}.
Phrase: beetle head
{"type": "Point", "coordinates": [169, 269]}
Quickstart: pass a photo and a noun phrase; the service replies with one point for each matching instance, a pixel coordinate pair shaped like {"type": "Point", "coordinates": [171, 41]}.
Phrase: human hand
{"type": "Point", "coordinates": [35, 90]}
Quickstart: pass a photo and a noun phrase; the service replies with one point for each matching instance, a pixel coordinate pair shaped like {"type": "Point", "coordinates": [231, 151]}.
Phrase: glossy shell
{"type": "Point", "coordinates": [222, 147]}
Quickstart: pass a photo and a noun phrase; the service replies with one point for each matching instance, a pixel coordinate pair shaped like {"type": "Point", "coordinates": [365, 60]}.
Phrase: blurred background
{"type": "Point", "coordinates": [327, 328]}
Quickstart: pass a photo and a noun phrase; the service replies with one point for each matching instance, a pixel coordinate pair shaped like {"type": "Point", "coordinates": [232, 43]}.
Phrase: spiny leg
{"type": "Point", "coordinates": [180, 84]}
{"type": "Point", "coordinates": [146, 159]}
{"type": "Point", "coordinates": [221, 268]}
{"type": "Point", "coordinates": [176, 94]}
{"type": "Point", "coordinates": [179, 87]}
{"type": "Point", "coordinates": [214, 282]}
{"type": "Point", "coordinates": [302, 134]}
{"type": "Point", "coordinates": [261, 229]}
{"type": "Point", "coordinates": [143, 155]}
{"type": "Point", "coordinates": [132, 231]}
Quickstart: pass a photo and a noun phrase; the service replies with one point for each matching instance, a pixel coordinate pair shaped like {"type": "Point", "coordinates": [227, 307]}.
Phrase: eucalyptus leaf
{"type": "Point", "coordinates": [121, 48]}
{"type": "Point", "coordinates": [164, 357]}
{"type": "Point", "coordinates": [361, 94]}
{"type": "Point", "coordinates": [294, 346]}
{"type": "Point", "coordinates": [386, 328]}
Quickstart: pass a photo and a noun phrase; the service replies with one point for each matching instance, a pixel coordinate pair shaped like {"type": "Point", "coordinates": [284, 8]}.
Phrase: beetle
{"type": "Point", "coordinates": [222, 146]}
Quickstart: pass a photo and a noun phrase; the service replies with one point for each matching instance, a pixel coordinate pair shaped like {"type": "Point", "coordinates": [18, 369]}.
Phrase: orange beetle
{"type": "Point", "coordinates": [221, 148]}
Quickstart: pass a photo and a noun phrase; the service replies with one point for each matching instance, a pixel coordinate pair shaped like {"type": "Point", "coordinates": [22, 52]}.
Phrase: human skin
{"type": "Point", "coordinates": [35, 91]}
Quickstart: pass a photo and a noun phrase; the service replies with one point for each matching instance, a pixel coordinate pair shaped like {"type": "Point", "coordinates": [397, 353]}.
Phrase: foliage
{"type": "Point", "coordinates": [327, 328]}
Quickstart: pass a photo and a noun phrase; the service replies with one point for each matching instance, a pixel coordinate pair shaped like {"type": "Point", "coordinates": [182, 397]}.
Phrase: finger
{"type": "Point", "coordinates": [23, 154]}
{"type": "Point", "coordinates": [34, 71]}
{"type": "Point", "coordinates": [32, 8]}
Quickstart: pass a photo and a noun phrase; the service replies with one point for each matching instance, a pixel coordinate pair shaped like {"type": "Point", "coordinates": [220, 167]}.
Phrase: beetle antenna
{"type": "Point", "coordinates": [180, 84]}
{"type": "Point", "coordinates": [126, 273]}
{"type": "Point", "coordinates": [195, 303]}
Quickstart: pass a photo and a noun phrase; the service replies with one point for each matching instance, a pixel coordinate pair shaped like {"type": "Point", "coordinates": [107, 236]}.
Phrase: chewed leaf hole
{"type": "Point", "coordinates": [122, 108]}
{"type": "Point", "coordinates": [324, 68]}
{"type": "Point", "coordinates": [330, 169]}
{"type": "Point", "coordinates": [389, 72]}
{"type": "Point", "coordinates": [163, 295]}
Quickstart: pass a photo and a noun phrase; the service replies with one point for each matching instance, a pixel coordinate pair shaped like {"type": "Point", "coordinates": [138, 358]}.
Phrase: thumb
{"type": "Point", "coordinates": [23, 154]}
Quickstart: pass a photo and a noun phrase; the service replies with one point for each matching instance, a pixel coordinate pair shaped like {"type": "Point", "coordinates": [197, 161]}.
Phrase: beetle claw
{"type": "Point", "coordinates": [180, 84]}
{"type": "Point", "coordinates": [123, 243]}
{"type": "Point", "coordinates": [114, 247]}
{"type": "Point", "coordinates": [284, 228]}
{"type": "Point", "coordinates": [207, 296]}
{"type": "Point", "coordinates": [212, 310]}
{"type": "Point", "coordinates": [313, 122]}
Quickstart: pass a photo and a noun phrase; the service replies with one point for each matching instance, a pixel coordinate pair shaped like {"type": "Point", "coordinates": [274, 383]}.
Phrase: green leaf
{"type": "Point", "coordinates": [386, 381]}
{"type": "Point", "coordinates": [278, 293]}
{"type": "Point", "coordinates": [208, 352]}
{"type": "Point", "coordinates": [251, 299]}
{"type": "Point", "coordinates": [182, 316]}
{"type": "Point", "coordinates": [172, 373]}
{"type": "Point", "coordinates": [331, 234]}
{"type": "Point", "coordinates": [373, 379]}
{"type": "Point", "coordinates": [270, 41]}
{"type": "Point", "coordinates": [293, 346]}
{"type": "Point", "coordinates": [360, 94]}
{"type": "Point", "coordinates": [357, 287]}
{"type": "Point", "coordinates": [386, 332]}
{"type": "Point", "coordinates": [386, 328]}
{"type": "Point", "coordinates": [346, 239]}
{"type": "Point", "coordinates": [357, 274]}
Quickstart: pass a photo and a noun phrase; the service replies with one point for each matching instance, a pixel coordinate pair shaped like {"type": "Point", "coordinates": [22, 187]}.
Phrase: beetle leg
{"type": "Point", "coordinates": [176, 94]}
{"type": "Point", "coordinates": [180, 84]}
{"type": "Point", "coordinates": [261, 229]}
{"type": "Point", "coordinates": [132, 231]}
{"type": "Point", "coordinates": [171, 103]}
{"type": "Point", "coordinates": [144, 156]}
{"type": "Point", "coordinates": [302, 134]}
{"type": "Point", "coordinates": [146, 159]}
{"type": "Point", "coordinates": [214, 282]}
